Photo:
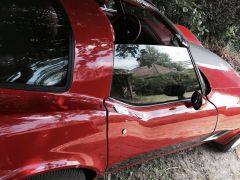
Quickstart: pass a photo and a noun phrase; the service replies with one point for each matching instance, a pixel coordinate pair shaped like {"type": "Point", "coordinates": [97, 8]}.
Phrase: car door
{"type": "Point", "coordinates": [150, 111]}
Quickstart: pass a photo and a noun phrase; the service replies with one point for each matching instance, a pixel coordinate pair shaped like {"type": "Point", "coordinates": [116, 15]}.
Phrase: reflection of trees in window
{"type": "Point", "coordinates": [151, 55]}
{"type": "Point", "coordinates": [123, 50]}
{"type": "Point", "coordinates": [156, 78]}
{"type": "Point", "coordinates": [122, 84]}
{"type": "Point", "coordinates": [156, 85]}
{"type": "Point", "coordinates": [148, 56]}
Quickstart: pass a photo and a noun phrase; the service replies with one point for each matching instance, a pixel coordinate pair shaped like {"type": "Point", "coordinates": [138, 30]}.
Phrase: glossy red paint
{"type": "Point", "coordinates": [42, 131]}
{"type": "Point", "coordinates": [189, 35]}
{"type": "Point", "coordinates": [225, 95]}
{"type": "Point", "coordinates": [94, 48]}
{"type": "Point", "coordinates": [227, 137]}
{"type": "Point", "coordinates": [155, 127]}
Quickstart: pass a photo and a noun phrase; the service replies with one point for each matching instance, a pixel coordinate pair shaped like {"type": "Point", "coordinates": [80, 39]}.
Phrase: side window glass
{"type": "Point", "coordinates": [34, 43]}
{"type": "Point", "coordinates": [149, 74]}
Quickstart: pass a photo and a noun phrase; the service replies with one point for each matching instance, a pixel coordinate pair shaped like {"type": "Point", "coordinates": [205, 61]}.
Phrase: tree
{"type": "Point", "coordinates": [123, 50]}
{"type": "Point", "coordinates": [212, 21]}
{"type": "Point", "coordinates": [151, 55]}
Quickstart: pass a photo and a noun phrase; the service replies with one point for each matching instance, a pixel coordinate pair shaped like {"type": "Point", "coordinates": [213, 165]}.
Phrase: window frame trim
{"type": "Point", "coordinates": [149, 105]}
{"type": "Point", "coordinates": [71, 59]}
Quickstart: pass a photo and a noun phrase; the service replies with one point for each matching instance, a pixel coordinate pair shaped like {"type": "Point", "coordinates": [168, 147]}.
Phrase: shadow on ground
{"type": "Point", "coordinates": [200, 163]}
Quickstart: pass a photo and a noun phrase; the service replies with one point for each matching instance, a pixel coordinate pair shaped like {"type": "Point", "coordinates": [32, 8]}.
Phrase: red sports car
{"type": "Point", "coordinates": [89, 87]}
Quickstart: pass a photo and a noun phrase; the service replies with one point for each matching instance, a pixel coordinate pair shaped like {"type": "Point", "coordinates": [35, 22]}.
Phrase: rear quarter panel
{"type": "Point", "coordinates": [42, 131]}
{"type": "Point", "coordinates": [225, 87]}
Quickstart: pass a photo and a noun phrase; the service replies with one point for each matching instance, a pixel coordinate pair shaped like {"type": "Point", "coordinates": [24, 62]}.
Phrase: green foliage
{"type": "Point", "coordinates": [124, 50]}
{"type": "Point", "coordinates": [212, 21]}
{"type": "Point", "coordinates": [157, 85]}
{"type": "Point", "coordinates": [150, 55]}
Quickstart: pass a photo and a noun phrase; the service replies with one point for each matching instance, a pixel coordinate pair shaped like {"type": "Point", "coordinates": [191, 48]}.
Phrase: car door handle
{"type": "Point", "coordinates": [124, 111]}
{"type": "Point", "coordinates": [121, 110]}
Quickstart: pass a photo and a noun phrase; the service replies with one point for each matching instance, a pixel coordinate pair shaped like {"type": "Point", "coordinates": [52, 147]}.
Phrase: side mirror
{"type": "Point", "coordinates": [196, 100]}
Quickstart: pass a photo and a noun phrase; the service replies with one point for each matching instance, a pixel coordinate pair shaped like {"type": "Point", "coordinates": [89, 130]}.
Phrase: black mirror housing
{"type": "Point", "coordinates": [197, 100]}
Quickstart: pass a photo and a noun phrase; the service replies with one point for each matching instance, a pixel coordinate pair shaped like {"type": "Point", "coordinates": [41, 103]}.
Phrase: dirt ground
{"type": "Point", "coordinates": [200, 163]}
